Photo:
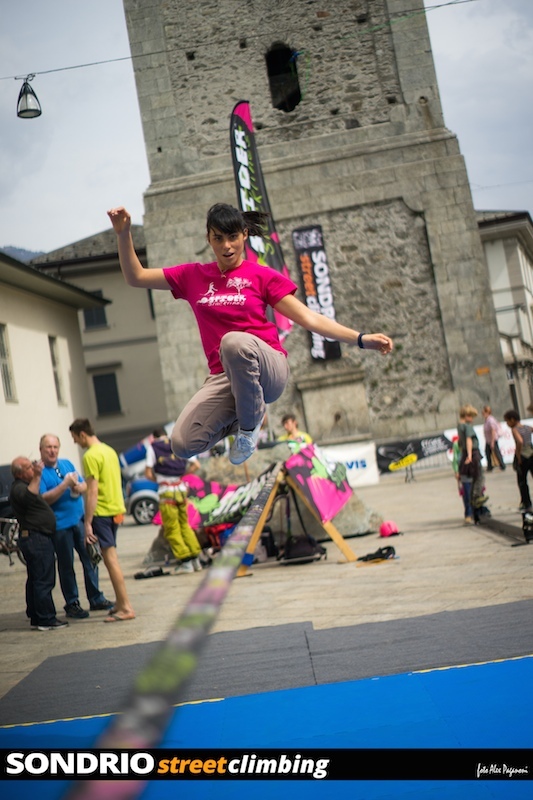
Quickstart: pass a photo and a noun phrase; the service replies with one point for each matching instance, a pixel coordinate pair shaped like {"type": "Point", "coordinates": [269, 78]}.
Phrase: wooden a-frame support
{"type": "Point", "coordinates": [328, 527]}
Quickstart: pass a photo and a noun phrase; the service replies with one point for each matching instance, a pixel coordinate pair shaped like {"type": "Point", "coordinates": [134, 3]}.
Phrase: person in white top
{"type": "Point", "coordinates": [491, 430]}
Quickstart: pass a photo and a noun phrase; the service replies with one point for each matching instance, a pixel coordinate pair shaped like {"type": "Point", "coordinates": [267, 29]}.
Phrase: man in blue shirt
{"type": "Point", "coordinates": [62, 488]}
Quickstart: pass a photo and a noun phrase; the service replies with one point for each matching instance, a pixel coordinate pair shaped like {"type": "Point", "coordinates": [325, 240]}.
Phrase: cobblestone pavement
{"type": "Point", "coordinates": [442, 565]}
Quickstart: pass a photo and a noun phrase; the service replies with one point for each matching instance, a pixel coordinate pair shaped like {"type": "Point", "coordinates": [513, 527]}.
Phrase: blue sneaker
{"type": "Point", "coordinates": [244, 444]}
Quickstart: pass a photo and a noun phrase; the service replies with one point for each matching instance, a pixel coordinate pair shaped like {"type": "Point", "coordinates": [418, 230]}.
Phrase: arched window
{"type": "Point", "coordinates": [283, 77]}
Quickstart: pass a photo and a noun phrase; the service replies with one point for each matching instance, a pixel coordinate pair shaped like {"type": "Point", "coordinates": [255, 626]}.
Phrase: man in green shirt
{"type": "Point", "coordinates": [104, 508]}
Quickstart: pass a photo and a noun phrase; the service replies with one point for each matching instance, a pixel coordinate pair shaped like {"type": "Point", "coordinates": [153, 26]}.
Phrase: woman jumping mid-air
{"type": "Point", "coordinates": [229, 297]}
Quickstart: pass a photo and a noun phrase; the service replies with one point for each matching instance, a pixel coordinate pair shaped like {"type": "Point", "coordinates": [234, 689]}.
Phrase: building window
{"type": "Point", "coordinates": [106, 393]}
{"type": "Point", "coordinates": [54, 355]}
{"type": "Point", "coordinates": [95, 317]}
{"type": "Point", "coordinates": [8, 381]}
{"type": "Point", "coordinates": [283, 77]}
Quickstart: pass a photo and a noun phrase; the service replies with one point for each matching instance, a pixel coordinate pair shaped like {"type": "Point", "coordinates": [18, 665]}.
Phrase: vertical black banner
{"type": "Point", "coordinates": [314, 270]}
{"type": "Point", "coordinates": [252, 196]}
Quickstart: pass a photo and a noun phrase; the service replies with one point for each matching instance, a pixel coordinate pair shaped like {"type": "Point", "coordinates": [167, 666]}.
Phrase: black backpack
{"type": "Point", "coordinates": [303, 549]}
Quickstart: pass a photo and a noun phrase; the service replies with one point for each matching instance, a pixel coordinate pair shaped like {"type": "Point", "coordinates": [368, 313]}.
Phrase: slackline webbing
{"type": "Point", "coordinates": [159, 685]}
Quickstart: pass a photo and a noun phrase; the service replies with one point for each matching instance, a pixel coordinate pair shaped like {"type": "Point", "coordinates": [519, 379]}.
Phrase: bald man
{"type": "Point", "coordinates": [37, 529]}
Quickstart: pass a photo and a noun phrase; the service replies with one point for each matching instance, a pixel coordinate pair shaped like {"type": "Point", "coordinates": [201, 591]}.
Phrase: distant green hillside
{"type": "Point", "coordinates": [20, 254]}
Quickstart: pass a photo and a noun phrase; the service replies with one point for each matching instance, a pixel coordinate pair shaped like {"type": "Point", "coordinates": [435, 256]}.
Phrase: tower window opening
{"type": "Point", "coordinates": [283, 77]}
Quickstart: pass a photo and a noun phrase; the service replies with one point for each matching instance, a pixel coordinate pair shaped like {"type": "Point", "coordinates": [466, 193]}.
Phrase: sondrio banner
{"type": "Point", "coordinates": [252, 196]}
{"type": "Point", "coordinates": [314, 271]}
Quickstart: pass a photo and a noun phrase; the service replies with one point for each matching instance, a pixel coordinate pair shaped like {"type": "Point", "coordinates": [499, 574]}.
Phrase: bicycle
{"type": "Point", "coordinates": [9, 535]}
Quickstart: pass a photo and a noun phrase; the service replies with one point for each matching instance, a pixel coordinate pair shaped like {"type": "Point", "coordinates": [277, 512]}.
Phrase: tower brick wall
{"type": "Point", "coordinates": [365, 154]}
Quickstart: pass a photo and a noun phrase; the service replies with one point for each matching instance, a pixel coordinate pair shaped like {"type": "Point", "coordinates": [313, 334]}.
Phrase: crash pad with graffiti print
{"type": "Point", "coordinates": [323, 483]}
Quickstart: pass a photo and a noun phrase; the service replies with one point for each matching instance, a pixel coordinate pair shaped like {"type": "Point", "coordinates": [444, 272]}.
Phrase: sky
{"type": "Point", "coordinates": [60, 172]}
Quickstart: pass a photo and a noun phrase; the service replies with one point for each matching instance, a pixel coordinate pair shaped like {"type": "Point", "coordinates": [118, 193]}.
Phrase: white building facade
{"type": "Point", "coordinates": [42, 386]}
{"type": "Point", "coordinates": [507, 238]}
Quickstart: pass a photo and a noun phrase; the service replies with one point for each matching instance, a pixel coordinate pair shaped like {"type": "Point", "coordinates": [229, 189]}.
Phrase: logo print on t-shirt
{"type": "Point", "coordinates": [212, 298]}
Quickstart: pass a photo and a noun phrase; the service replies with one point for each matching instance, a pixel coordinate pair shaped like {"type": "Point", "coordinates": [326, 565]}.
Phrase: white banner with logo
{"type": "Point", "coordinates": [359, 460]}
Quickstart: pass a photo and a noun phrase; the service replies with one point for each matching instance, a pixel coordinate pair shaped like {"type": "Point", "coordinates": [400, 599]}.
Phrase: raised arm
{"type": "Point", "coordinates": [132, 269]}
{"type": "Point", "coordinates": [34, 485]}
{"type": "Point", "coordinates": [298, 312]}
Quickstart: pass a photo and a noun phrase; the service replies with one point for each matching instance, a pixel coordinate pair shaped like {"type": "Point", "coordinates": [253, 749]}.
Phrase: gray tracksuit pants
{"type": "Point", "coordinates": [254, 374]}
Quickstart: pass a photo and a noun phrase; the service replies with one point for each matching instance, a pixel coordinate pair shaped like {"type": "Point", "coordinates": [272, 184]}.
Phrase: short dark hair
{"type": "Point", "coordinates": [512, 414]}
{"type": "Point", "coordinates": [82, 426]}
{"type": "Point", "coordinates": [286, 417]}
{"type": "Point", "coordinates": [157, 432]}
{"type": "Point", "coordinates": [227, 219]}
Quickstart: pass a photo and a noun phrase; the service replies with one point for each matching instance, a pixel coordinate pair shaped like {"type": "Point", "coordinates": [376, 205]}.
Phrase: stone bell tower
{"type": "Point", "coordinates": [351, 138]}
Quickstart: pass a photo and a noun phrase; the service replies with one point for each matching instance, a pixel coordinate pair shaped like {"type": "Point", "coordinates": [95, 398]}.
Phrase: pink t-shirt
{"type": "Point", "coordinates": [233, 301]}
